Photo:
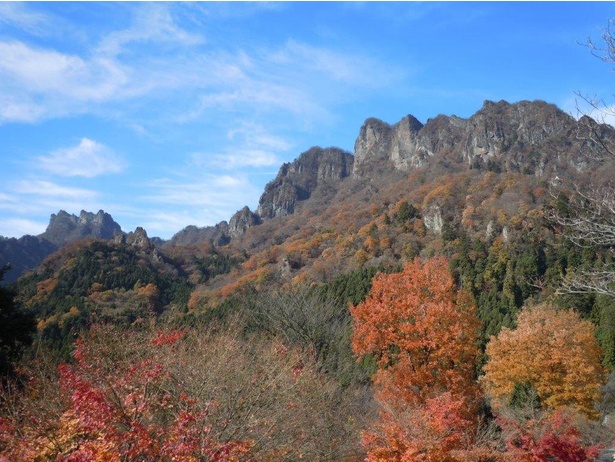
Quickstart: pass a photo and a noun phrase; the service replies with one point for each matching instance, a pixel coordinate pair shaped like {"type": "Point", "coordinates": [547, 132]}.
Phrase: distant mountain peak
{"type": "Point", "coordinates": [28, 251]}
{"type": "Point", "coordinates": [64, 227]}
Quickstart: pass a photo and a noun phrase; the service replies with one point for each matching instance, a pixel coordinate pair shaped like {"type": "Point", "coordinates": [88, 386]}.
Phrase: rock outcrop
{"type": "Point", "coordinates": [380, 146]}
{"type": "Point", "coordinates": [297, 181]}
{"type": "Point", "coordinates": [64, 227]}
{"type": "Point", "coordinates": [241, 222]}
{"type": "Point", "coordinates": [137, 238]}
{"type": "Point", "coordinates": [528, 137]}
{"type": "Point", "coordinates": [217, 235]}
{"type": "Point", "coordinates": [531, 137]}
{"type": "Point", "coordinates": [28, 251]}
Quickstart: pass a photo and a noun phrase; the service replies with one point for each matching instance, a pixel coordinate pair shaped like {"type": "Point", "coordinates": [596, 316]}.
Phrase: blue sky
{"type": "Point", "coordinates": [171, 114]}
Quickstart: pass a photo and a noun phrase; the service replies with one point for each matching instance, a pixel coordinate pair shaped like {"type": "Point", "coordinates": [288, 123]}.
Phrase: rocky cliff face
{"type": "Point", "coordinates": [529, 137]}
{"type": "Point", "coordinates": [137, 238]}
{"type": "Point", "coordinates": [533, 138]}
{"type": "Point", "coordinates": [296, 181]}
{"type": "Point", "coordinates": [526, 137]}
{"type": "Point", "coordinates": [64, 227]}
{"type": "Point", "coordinates": [241, 222]}
{"type": "Point", "coordinates": [381, 146]}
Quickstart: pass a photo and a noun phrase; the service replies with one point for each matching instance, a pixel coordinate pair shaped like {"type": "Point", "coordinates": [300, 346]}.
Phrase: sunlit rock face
{"type": "Point", "coordinates": [531, 137]}
{"type": "Point", "coordinates": [64, 227]}
{"type": "Point", "coordinates": [241, 222]}
{"type": "Point", "coordinates": [297, 181]}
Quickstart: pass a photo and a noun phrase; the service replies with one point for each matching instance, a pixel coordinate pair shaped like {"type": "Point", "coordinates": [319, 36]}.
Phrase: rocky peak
{"type": "Point", "coordinates": [381, 146]}
{"type": "Point", "coordinates": [138, 239]}
{"type": "Point", "coordinates": [297, 181]}
{"type": "Point", "coordinates": [532, 137]}
{"type": "Point", "coordinates": [498, 127]}
{"type": "Point", "coordinates": [241, 221]}
{"type": "Point", "coordinates": [65, 227]}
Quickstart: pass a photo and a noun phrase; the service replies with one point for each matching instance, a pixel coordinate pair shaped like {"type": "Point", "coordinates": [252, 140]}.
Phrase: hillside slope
{"type": "Point", "coordinates": [475, 190]}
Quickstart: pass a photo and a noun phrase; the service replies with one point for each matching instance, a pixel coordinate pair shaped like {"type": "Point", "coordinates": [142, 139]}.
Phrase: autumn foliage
{"type": "Point", "coordinates": [551, 437]}
{"type": "Point", "coordinates": [116, 408]}
{"type": "Point", "coordinates": [553, 350]}
{"type": "Point", "coordinates": [423, 333]}
{"type": "Point", "coordinates": [174, 395]}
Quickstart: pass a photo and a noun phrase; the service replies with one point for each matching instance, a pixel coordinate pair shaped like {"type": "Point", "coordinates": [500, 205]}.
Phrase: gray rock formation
{"type": "Point", "coordinates": [297, 181]}
{"type": "Point", "coordinates": [531, 137]}
{"type": "Point", "coordinates": [241, 221]}
{"type": "Point", "coordinates": [137, 238]}
{"type": "Point", "coordinates": [381, 146]}
{"type": "Point", "coordinates": [64, 227]}
{"type": "Point", "coordinates": [28, 251]}
{"type": "Point", "coordinates": [217, 235]}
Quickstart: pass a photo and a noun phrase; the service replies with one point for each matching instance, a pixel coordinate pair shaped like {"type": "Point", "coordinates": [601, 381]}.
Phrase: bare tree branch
{"type": "Point", "coordinates": [590, 219]}
{"type": "Point", "coordinates": [596, 281]}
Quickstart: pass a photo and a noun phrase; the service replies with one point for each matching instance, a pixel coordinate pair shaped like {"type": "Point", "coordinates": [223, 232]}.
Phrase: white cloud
{"type": "Point", "coordinates": [17, 227]}
{"type": "Point", "coordinates": [88, 159]}
{"type": "Point", "coordinates": [256, 135]}
{"type": "Point", "coordinates": [250, 145]}
{"type": "Point", "coordinates": [37, 83]}
{"type": "Point", "coordinates": [153, 23]}
{"type": "Point", "coordinates": [597, 109]}
{"type": "Point", "coordinates": [50, 189]}
{"type": "Point", "coordinates": [17, 109]}
{"type": "Point", "coordinates": [353, 69]}
{"type": "Point", "coordinates": [26, 199]}
{"type": "Point", "coordinates": [44, 71]}
{"type": "Point", "coordinates": [162, 56]}
{"type": "Point", "coordinates": [14, 13]}
{"type": "Point", "coordinates": [209, 191]}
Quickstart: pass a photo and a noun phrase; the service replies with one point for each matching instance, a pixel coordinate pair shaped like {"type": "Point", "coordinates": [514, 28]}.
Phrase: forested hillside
{"type": "Point", "coordinates": [414, 300]}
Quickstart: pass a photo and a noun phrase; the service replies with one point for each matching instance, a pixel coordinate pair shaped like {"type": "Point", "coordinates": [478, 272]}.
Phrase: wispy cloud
{"type": "Point", "coordinates": [50, 189]}
{"type": "Point", "coordinates": [303, 80]}
{"type": "Point", "coordinates": [598, 109]}
{"type": "Point", "coordinates": [42, 197]}
{"type": "Point", "coordinates": [153, 23]}
{"type": "Point", "coordinates": [88, 159]}
{"type": "Point", "coordinates": [249, 145]}
{"type": "Point", "coordinates": [15, 14]}
{"type": "Point", "coordinates": [353, 69]}
{"type": "Point", "coordinates": [36, 83]}
{"type": "Point", "coordinates": [210, 190]}
{"type": "Point", "coordinates": [21, 226]}
{"type": "Point", "coordinates": [42, 82]}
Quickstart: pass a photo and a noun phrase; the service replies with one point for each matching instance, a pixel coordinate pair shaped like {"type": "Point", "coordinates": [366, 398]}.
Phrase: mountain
{"type": "Point", "coordinates": [478, 191]}
{"type": "Point", "coordinates": [28, 251]}
{"type": "Point", "coordinates": [475, 190]}
{"type": "Point", "coordinates": [297, 181]}
{"type": "Point", "coordinates": [533, 138]}
{"type": "Point", "coordinates": [64, 228]}
{"type": "Point", "coordinates": [23, 254]}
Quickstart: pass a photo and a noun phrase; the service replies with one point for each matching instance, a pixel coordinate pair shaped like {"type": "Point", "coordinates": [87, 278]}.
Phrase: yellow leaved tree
{"type": "Point", "coordinates": [555, 352]}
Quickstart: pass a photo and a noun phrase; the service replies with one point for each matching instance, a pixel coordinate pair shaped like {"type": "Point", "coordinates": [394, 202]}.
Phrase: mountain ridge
{"type": "Point", "coordinates": [531, 131]}
{"type": "Point", "coordinates": [533, 138]}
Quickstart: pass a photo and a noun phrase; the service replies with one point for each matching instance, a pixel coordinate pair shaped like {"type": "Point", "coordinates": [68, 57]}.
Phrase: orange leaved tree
{"type": "Point", "coordinates": [423, 333]}
{"type": "Point", "coordinates": [554, 351]}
